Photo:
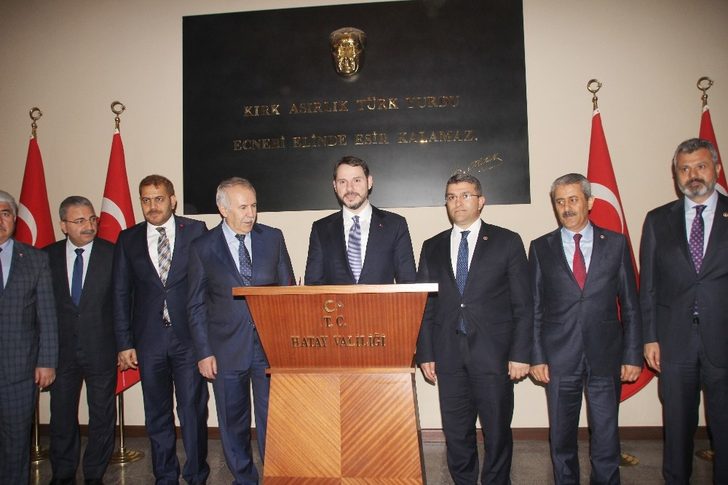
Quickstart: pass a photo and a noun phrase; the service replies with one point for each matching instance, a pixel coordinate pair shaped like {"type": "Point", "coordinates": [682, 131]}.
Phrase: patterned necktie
{"type": "Point", "coordinates": [353, 252]}
{"type": "Point", "coordinates": [579, 265]}
{"type": "Point", "coordinates": [77, 277]}
{"type": "Point", "coordinates": [697, 238]}
{"type": "Point", "coordinates": [246, 265]}
{"type": "Point", "coordinates": [164, 255]}
{"type": "Point", "coordinates": [461, 273]}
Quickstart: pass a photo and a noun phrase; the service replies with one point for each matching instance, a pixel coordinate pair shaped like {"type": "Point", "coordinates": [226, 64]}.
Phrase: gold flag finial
{"type": "Point", "coordinates": [593, 86]}
{"type": "Point", "coordinates": [35, 114]}
{"type": "Point", "coordinates": [117, 107]}
{"type": "Point", "coordinates": [704, 83]}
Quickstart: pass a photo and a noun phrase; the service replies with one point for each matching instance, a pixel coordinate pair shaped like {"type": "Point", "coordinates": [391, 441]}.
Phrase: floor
{"type": "Point", "coordinates": [531, 464]}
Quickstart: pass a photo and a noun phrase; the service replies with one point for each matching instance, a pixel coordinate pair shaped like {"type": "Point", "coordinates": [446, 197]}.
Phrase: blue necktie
{"type": "Point", "coordinates": [164, 255]}
{"type": "Point", "coordinates": [353, 252]}
{"type": "Point", "coordinates": [2, 276]}
{"type": "Point", "coordinates": [461, 274]}
{"type": "Point", "coordinates": [77, 277]}
{"type": "Point", "coordinates": [246, 265]}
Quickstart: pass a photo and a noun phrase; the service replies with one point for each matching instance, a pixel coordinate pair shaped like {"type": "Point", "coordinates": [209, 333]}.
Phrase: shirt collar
{"type": "Point", "coordinates": [168, 226]}
{"type": "Point", "coordinates": [587, 234]}
{"type": "Point", "coordinates": [474, 227]}
{"type": "Point", "coordinates": [72, 247]}
{"type": "Point", "coordinates": [710, 204]}
{"type": "Point", "coordinates": [365, 214]}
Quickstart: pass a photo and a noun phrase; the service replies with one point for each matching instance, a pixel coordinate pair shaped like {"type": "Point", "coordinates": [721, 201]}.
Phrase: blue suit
{"type": "Point", "coordinates": [388, 258]}
{"type": "Point", "coordinates": [221, 326]}
{"type": "Point", "coordinates": [28, 339]}
{"type": "Point", "coordinates": [585, 338]}
{"type": "Point", "coordinates": [165, 353]}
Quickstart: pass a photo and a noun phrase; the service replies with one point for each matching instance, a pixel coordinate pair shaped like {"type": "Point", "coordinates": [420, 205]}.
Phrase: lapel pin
{"type": "Point", "coordinates": [601, 236]}
{"type": "Point", "coordinates": [381, 225]}
{"type": "Point", "coordinates": [485, 238]}
{"type": "Point", "coordinates": [725, 214]}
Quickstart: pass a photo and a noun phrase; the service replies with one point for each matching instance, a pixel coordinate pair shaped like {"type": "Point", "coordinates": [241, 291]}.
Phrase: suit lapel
{"type": "Point", "coordinates": [336, 234]}
{"type": "Point", "coordinates": [598, 255]}
{"type": "Point", "coordinates": [93, 273]}
{"type": "Point", "coordinates": [16, 265]}
{"type": "Point", "coordinates": [557, 250]}
{"type": "Point", "coordinates": [222, 250]}
{"type": "Point", "coordinates": [376, 234]}
{"type": "Point", "coordinates": [718, 231]}
{"type": "Point", "coordinates": [677, 228]}
{"type": "Point", "coordinates": [259, 249]}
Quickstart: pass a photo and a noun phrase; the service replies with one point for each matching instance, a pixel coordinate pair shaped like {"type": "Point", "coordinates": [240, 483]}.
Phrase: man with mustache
{"type": "Point", "coordinates": [587, 330]}
{"type": "Point", "coordinates": [359, 244]}
{"type": "Point", "coordinates": [28, 342]}
{"type": "Point", "coordinates": [81, 267]}
{"type": "Point", "coordinates": [684, 296]}
{"type": "Point", "coordinates": [150, 320]}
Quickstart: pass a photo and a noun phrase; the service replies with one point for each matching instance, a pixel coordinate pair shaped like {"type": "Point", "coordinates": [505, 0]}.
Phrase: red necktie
{"type": "Point", "coordinates": [579, 266]}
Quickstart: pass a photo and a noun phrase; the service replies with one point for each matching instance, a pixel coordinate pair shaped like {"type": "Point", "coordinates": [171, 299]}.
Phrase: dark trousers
{"type": "Point", "coordinates": [467, 394]}
{"type": "Point", "coordinates": [169, 366]}
{"type": "Point", "coordinates": [564, 396]}
{"type": "Point", "coordinates": [17, 407]}
{"type": "Point", "coordinates": [65, 446]}
{"type": "Point", "coordinates": [680, 385]}
{"type": "Point", "coordinates": [232, 397]}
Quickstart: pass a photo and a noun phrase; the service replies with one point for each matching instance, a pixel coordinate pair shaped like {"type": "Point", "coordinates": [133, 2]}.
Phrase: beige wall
{"type": "Point", "coordinates": [72, 58]}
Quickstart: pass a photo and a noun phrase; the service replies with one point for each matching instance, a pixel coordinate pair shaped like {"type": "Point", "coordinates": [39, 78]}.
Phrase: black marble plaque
{"type": "Point", "coordinates": [442, 88]}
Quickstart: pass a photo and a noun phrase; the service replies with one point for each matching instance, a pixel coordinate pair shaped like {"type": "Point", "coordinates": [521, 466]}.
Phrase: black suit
{"type": "Point", "coordinates": [472, 368]}
{"type": "Point", "coordinates": [87, 352]}
{"type": "Point", "coordinates": [585, 337]}
{"type": "Point", "coordinates": [165, 351]}
{"type": "Point", "coordinates": [693, 351]}
{"type": "Point", "coordinates": [388, 259]}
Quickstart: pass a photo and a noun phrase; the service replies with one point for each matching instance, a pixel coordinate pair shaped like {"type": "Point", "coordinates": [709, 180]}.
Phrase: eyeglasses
{"type": "Point", "coordinates": [450, 198]}
{"type": "Point", "coordinates": [82, 221]}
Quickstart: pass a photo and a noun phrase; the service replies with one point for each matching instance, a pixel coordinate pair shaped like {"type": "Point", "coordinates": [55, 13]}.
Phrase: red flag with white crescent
{"type": "Point", "coordinates": [607, 212]}
{"type": "Point", "coordinates": [34, 225]}
{"type": "Point", "coordinates": [707, 133]}
{"type": "Point", "coordinates": [117, 213]}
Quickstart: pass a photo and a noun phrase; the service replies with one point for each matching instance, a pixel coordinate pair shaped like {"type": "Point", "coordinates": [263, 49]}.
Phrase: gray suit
{"type": "Point", "coordinates": [28, 339]}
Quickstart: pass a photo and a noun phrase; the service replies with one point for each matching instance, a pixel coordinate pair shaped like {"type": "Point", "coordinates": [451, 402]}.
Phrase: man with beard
{"type": "Point", "coordinates": [683, 292]}
{"type": "Point", "coordinates": [587, 330]}
{"type": "Point", "coordinates": [81, 267]}
{"type": "Point", "coordinates": [150, 320]}
{"type": "Point", "coordinates": [360, 243]}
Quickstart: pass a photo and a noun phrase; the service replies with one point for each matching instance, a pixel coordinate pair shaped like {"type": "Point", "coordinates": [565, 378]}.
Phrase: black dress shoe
{"type": "Point", "coordinates": [93, 481]}
{"type": "Point", "coordinates": [63, 481]}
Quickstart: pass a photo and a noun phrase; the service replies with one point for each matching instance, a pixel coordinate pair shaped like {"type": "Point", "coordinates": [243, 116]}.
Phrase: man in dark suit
{"type": "Point", "coordinates": [587, 330]}
{"type": "Point", "coordinates": [360, 243]}
{"type": "Point", "coordinates": [684, 296]}
{"type": "Point", "coordinates": [81, 268]}
{"type": "Point", "coordinates": [476, 333]}
{"type": "Point", "coordinates": [28, 342]}
{"type": "Point", "coordinates": [150, 320]}
{"type": "Point", "coordinates": [238, 252]}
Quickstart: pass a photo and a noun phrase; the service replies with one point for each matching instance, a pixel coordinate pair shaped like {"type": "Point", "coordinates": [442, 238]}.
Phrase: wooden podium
{"type": "Point", "coordinates": [342, 400]}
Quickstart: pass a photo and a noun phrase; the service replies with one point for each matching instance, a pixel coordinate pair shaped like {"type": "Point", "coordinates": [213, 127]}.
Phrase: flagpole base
{"type": "Point", "coordinates": [124, 456]}
{"type": "Point", "coordinates": [707, 455]}
{"type": "Point", "coordinates": [625, 459]}
{"type": "Point", "coordinates": [38, 455]}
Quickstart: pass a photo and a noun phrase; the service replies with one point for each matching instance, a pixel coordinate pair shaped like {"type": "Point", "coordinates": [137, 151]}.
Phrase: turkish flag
{"type": "Point", "coordinates": [707, 133]}
{"type": "Point", "coordinates": [117, 214]}
{"type": "Point", "coordinates": [607, 212]}
{"type": "Point", "coordinates": [34, 225]}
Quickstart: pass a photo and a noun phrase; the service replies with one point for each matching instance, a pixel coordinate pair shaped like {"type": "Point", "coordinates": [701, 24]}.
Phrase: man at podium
{"type": "Point", "coordinates": [360, 243]}
{"type": "Point", "coordinates": [476, 333]}
{"type": "Point", "coordinates": [238, 252]}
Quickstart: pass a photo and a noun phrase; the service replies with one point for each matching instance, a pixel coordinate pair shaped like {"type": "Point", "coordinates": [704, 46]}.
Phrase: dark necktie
{"type": "Point", "coordinates": [353, 252]}
{"type": "Point", "coordinates": [2, 276]}
{"type": "Point", "coordinates": [461, 273]}
{"type": "Point", "coordinates": [77, 277]}
{"type": "Point", "coordinates": [697, 238]}
{"type": "Point", "coordinates": [164, 259]}
{"type": "Point", "coordinates": [246, 265]}
{"type": "Point", "coordinates": [579, 265]}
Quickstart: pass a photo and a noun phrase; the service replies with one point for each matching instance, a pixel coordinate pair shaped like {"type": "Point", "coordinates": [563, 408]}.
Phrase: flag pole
{"type": "Point", "coordinates": [703, 84]}
{"type": "Point", "coordinates": [593, 86]}
{"type": "Point", "coordinates": [37, 453]}
{"type": "Point", "coordinates": [123, 455]}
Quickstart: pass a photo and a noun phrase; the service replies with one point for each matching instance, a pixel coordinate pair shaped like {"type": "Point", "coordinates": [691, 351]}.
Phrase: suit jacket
{"type": "Point", "coordinates": [91, 324]}
{"type": "Point", "coordinates": [138, 293]}
{"type": "Point", "coordinates": [388, 258]}
{"type": "Point", "coordinates": [221, 325]}
{"type": "Point", "coordinates": [28, 326]}
{"type": "Point", "coordinates": [496, 304]}
{"type": "Point", "coordinates": [669, 285]}
{"type": "Point", "coordinates": [570, 322]}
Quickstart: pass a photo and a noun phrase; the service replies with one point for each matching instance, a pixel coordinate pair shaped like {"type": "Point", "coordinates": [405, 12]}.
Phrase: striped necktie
{"type": "Point", "coordinates": [164, 255]}
{"type": "Point", "coordinates": [353, 251]}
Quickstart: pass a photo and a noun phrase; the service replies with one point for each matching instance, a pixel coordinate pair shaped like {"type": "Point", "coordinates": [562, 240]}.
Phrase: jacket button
{"type": "Point", "coordinates": [462, 305]}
